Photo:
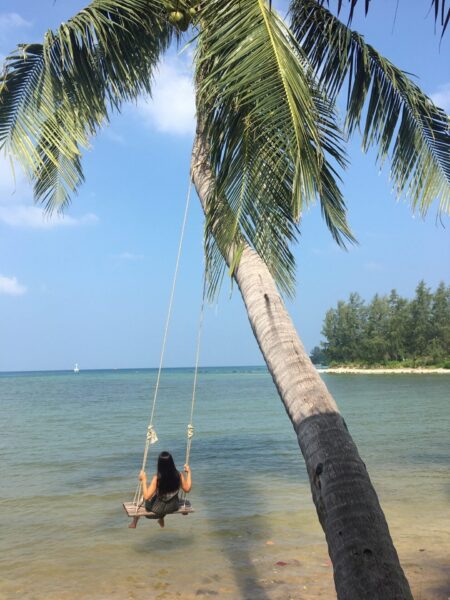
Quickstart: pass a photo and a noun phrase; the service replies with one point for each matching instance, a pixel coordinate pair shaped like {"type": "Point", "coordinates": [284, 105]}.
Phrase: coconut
{"type": "Point", "coordinates": [176, 17]}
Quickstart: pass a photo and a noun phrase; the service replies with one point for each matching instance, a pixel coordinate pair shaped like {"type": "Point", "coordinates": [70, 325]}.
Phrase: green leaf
{"type": "Point", "coordinates": [54, 96]}
{"type": "Point", "coordinates": [440, 14]}
{"type": "Point", "coordinates": [272, 135]}
{"type": "Point", "coordinates": [393, 113]}
{"type": "Point", "coordinates": [56, 178]}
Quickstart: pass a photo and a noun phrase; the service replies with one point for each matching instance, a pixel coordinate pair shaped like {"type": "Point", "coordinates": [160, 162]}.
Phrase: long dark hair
{"type": "Point", "coordinates": [168, 476]}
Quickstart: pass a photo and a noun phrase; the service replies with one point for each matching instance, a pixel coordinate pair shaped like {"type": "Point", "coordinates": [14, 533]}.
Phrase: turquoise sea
{"type": "Point", "coordinates": [71, 448]}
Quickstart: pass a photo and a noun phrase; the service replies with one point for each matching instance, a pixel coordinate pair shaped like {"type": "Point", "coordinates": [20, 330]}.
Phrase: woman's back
{"type": "Point", "coordinates": [161, 496]}
{"type": "Point", "coordinates": [168, 477]}
{"type": "Point", "coordinates": [165, 497]}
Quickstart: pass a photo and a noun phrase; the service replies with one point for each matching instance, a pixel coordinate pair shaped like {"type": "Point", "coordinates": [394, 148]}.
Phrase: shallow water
{"type": "Point", "coordinates": [71, 447]}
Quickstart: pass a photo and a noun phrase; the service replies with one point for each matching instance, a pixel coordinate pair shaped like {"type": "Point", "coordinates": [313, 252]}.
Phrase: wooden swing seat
{"type": "Point", "coordinates": [134, 510]}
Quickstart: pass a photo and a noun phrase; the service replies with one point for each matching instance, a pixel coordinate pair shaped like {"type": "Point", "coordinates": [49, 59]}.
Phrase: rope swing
{"type": "Point", "coordinates": [136, 508]}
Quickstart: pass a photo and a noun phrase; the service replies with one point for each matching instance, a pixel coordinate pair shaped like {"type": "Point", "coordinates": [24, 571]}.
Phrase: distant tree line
{"type": "Point", "coordinates": [388, 329]}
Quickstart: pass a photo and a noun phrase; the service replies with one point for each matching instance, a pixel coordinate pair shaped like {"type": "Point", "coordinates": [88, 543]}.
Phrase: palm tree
{"type": "Point", "coordinates": [268, 143]}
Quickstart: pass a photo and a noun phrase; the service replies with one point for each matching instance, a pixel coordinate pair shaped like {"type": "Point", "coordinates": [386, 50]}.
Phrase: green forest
{"type": "Point", "coordinates": [388, 331]}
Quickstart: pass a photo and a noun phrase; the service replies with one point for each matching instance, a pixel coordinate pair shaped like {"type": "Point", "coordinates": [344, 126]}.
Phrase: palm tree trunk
{"type": "Point", "coordinates": [365, 562]}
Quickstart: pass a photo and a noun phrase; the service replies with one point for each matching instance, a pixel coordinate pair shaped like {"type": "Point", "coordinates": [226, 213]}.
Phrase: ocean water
{"type": "Point", "coordinates": [71, 448]}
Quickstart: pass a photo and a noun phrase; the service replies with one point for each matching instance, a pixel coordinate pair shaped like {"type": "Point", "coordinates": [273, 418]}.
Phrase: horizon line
{"type": "Point", "coordinates": [131, 369]}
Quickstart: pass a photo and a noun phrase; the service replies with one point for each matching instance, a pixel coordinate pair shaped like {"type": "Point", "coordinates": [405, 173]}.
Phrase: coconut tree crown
{"type": "Point", "coordinates": [266, 96]}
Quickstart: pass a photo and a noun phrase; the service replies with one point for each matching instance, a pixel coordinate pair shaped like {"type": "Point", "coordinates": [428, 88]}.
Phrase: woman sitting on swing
{"type": "Point", "coordinates": [161, 496]}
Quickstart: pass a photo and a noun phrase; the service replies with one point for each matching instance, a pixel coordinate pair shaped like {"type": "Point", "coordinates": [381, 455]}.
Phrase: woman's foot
{"type": "Point", "coordinates": [133, 523]}
{"type": "Point", "coordinates": [161, 522]}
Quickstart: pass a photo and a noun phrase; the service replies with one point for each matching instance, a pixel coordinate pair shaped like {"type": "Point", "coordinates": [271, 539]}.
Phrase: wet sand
{"type": "Point", "coordinates": [405, 371]}
{"type": "Point", "coordinates": [275, 571]}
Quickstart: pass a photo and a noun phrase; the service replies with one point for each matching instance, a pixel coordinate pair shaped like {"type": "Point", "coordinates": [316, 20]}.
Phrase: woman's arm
{"type": "Point", "coordinates": [148, 490]}
{"type": "Point", "coordinates": [186, 480]}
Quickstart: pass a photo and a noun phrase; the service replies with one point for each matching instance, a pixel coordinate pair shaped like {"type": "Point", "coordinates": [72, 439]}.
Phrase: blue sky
{"type": "Point", "coordinates": [93, 287]}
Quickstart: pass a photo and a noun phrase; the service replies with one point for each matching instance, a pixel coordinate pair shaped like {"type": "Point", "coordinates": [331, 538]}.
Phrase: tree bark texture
{"type": "Point", "coordinates": [365, 562]}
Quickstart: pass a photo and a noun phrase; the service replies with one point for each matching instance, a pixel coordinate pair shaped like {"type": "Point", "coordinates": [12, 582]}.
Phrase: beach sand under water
{"type": "Point", "coordinates": [71, 452]}
{"type": "Point", "coordinates": [383, 371]}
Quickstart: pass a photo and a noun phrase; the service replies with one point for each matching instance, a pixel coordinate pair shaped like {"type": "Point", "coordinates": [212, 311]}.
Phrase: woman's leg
{"type": "Point", "coordinates": [133, 523]}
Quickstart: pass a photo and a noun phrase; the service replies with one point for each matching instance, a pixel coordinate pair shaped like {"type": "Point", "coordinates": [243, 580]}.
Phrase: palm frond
{"type": "Point", "coordinates": [394, 114]}
{"type": "Point", "coordinates": [272, 136]}
{"type": "Point", "coordinates": [441, 15]}
{"type": "Point", "coordinates": [57, 177]}
{"type": "Point", "coordinates": [54, 95]}
{"type": "Point", "coordinates": [351, 6]}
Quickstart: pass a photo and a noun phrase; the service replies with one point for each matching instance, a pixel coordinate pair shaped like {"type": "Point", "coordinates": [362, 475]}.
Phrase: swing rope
{"type": "Point", "coordinates": [151, 436]}
{"type": "Point", "coordinates": [190, 427]}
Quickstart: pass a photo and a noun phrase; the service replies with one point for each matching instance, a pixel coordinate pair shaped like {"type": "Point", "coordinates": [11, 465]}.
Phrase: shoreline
{"type": "Point", "coordinates": [383, 371]}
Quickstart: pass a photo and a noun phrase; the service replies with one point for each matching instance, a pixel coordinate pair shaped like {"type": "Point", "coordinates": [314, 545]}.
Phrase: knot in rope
{"type": "Point", "coordinates": [152, 438]}
{"type": "Point", "coordinates": [190, 431]}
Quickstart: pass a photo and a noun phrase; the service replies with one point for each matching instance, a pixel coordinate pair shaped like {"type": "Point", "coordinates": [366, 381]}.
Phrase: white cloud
{"type": "Point", "coordinates": [13, 184]}
{"type": "Point", "coordinates": [9, 23]}
{"type": "Point", "coordinates": [442, 97]}
{"type": "Point", "coordinates": [11, 287]}
{"type": "Point", "coordinates": [16, 205]}
{"type": "Point", "coordinates": [112, 136]}
{"type": "Point", "coordinates": [12, 20]}
{"type": "Point", "coordinates": [171, 109]}
{"type": "Point", "coordinates": [130, 256]}
{"type": "Point", "coordinates": [35, 218]}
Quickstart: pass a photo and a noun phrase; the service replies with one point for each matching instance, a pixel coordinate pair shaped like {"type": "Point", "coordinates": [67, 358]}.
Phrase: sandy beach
{"type": "Point", "coordinates": [381, 371]}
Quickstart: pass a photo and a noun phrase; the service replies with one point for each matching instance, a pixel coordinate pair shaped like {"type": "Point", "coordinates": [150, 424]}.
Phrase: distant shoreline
{"type": "Point", "coordinates": [383, 371]}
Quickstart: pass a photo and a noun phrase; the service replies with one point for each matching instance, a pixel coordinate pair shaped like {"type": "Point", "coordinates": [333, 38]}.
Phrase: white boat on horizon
{"type": "Point", "coordinates": [76, 368]}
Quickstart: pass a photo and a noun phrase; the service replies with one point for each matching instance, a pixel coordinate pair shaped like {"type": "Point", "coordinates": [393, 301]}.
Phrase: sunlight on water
{"type": "Point", "coordinates": [71, 448]}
